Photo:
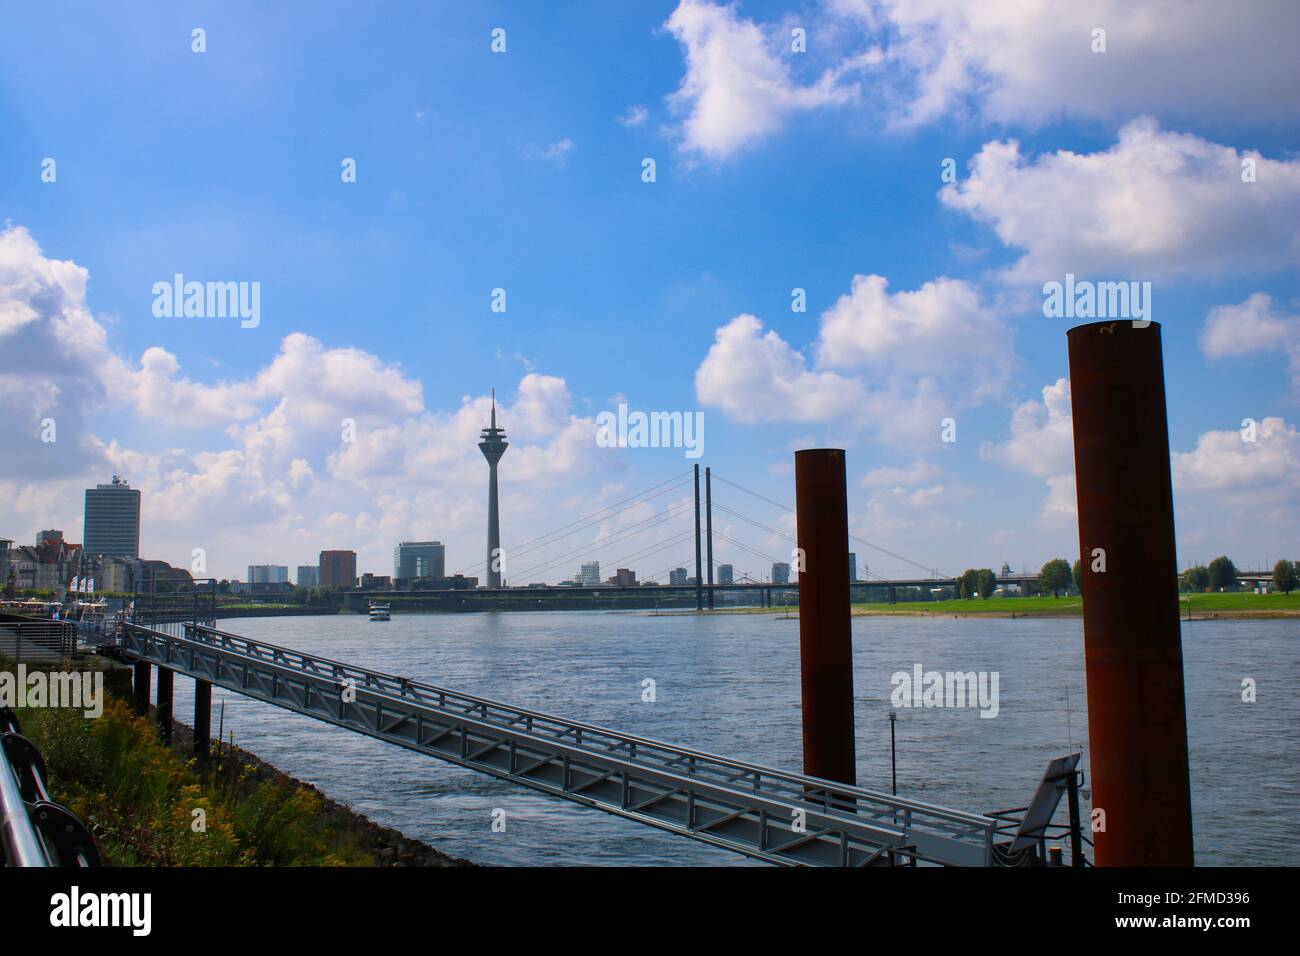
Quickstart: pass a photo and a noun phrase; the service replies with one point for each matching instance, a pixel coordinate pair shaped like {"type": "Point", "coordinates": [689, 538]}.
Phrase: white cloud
{"type": "Point", "coordinates": [897, 363]}
{"type": "Point", "coordinates": [1251, 327]}
{"type": "Point", "coordinates": [755, 376]}
{"type": "Point", "coordinates": [919, 472]}
{"type": "Point", "coordinates": [635, 116]}
{"type": "Point", "coordinates": [1061, 509]}
{"type": "Point", "coordinates": [1042, 445]}
{"type": "Point", "coordinates": [941, 329]}
{"type": "Point", "coordinates": [1224, 462]}
{"type": "Point", "coordinates": [738, 86]}
{"type": "Point", "coordinates": [1156, 204]}
{"type": "Point", "coordinates": [556, 153]}
{"type": "Point", "coordinates": [1016, 61]}
{"type": "Point", "coordinates": [1042, 435]}
{"type": "Point", "coordinates": [282, 484]}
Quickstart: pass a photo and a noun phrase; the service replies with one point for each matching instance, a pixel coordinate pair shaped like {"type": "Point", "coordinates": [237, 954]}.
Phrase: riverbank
{"type": "Point", "coordinates": [1203, 607]}
{"type": "Point", "coordinates": [149, 804]}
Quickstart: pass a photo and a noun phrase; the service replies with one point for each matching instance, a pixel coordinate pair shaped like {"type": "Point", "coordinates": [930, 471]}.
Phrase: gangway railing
{"type": "Point", "coordinates": [37, 639]}
{"type": "Point", "coordinates": [34, 830]}
{"type": "Point", "coordinates": [772, 815]}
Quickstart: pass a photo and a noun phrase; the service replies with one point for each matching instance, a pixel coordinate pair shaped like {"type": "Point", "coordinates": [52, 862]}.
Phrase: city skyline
{"type": "Point", "coordinates": [914, 216]}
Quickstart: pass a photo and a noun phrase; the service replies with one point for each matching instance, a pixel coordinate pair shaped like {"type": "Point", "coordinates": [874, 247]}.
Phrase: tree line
{"type": "Point", "coordinates": [1058, 577]}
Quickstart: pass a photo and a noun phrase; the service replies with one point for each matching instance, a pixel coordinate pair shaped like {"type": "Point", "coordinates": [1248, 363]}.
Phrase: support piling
{"type": "Point", "coordinates": [1137, 725]}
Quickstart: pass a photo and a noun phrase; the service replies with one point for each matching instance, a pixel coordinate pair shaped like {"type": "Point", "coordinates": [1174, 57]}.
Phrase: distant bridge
{"type": "Point", "coordinates": [650, 592]}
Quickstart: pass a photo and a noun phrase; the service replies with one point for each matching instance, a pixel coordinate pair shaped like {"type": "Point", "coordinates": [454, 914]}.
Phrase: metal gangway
{"type": "Point", "coordinates": [771, 815]}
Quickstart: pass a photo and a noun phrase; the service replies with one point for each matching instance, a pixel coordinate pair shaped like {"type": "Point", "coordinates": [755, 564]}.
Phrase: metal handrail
{"type": "Point", "coordinates": [35, 832]}
{"type": "Point", "coordinates": [20, 842]}
{"type": "Point", "coordinates": [842, 795]}
{"type": "Point", "coordinates": [828, 799]}
{"type": "Point", "coordinates": [848, 796]}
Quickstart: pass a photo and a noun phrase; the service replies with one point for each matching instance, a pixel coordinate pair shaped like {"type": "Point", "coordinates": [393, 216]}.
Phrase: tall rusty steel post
{"type": "Point", "coordinates": [1137, 725]}
{"type": "Point", "coordinates": [825, 639]}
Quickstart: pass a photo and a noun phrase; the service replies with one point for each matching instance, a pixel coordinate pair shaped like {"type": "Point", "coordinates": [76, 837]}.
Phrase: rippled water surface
{"type": "Point", "coordinates": [729, 684]}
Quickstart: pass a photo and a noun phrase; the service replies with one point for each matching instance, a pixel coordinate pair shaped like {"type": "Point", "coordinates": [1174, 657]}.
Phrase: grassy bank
{"type": "Point", "coordinates": [1203, 607]}
{"type": "Point", "coordinates": [153, 805]}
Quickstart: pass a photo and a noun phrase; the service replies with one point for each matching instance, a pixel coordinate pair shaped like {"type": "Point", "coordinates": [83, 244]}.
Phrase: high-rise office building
{"type": "Point", "coordinates": [780, 573]}
{"type": "Point", "coordinates": [308, 576]}
{"type": "Point", "coordinates": [268, 574]}
{"type": "Point", "coordinates": [338, 569]}
{"type": "Point", "coordinates": [589, 576]}
{"type": "Point", "coordinates": [112, 524]}
{"type": "Point", "coordinates": [419, 559]}
{"type": "Point", "coordinates": [725, 574]}
{"type": "Point", "coordinates": [853, 566]}
{"type": "Point", "coordinates": [624, 578]}
{"type": "Point", "coordinates": [677, 576]}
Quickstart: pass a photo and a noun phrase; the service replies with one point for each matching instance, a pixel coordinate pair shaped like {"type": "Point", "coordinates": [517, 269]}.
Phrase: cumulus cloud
{"type": "Point", "coordinates": [1157, 204]}
{"type": "Point", "coordinates": [1042, 445]}
{"type": "Point", "coordinates": [755, 376]}
{"type": "Point", "coordinates": [281, 474]}
{"type": "Point", "coordinates": [941, 329]}
{"type": "Point", "coordinates": [53, 359]}
{"type": "Point", "coordinates": [1252, 327]}
{"type": "Point", "coordinates": [738, 87]}
{"type": "Point", "coordinates": [1225, 461]}
{"type": "Point", "coordinates": [1042, 435]}
{"type": "Point", "coordinates": [1012, 61]}
{"type": "Point", "coordinates": [897, 363]}
{"type": "Point", "coordinates": [921, 62]}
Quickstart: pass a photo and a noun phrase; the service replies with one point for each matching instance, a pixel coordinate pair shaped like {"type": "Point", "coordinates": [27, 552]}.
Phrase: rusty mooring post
{"type": "Point", "coordinates": [825, 643]}
{"type": "Point", "coordinates": [202, 716]}
{"type": "Point", "coordinates": [1137, 725]}
{"type": "Point", "coordinates": [164, 713]}
{"type": "Point", "coordinates": [140, 686]}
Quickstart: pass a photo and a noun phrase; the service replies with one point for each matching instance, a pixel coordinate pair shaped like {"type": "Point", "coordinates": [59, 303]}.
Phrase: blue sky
{"type": "Point", "coordinates": [522, 170]}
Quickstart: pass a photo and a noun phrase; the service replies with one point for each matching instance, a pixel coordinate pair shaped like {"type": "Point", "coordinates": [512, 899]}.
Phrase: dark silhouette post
{"type": "Point", "coordinates": [708, 530]}
{"type": "Point", "coordinates": [202, 716]}
{"type": "Point", "coordinates": [164, 715]}
{"type": "Point", "coordinates": [825, 642]}
{"type": "Point", "coordinates": [140, 685]}
{"type": "Point", "coordinates": [1137, 725]}
{"type": "Point", "coordinates": [699, 579]}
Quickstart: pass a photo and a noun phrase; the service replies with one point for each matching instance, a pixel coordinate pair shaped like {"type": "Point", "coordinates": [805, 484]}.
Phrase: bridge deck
{"type": "Point", "coordinates": [780, 817]}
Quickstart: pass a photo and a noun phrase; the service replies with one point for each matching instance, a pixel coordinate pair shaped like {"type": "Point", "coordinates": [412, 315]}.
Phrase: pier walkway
{"type": "Point", "coordinates": [782, 818]}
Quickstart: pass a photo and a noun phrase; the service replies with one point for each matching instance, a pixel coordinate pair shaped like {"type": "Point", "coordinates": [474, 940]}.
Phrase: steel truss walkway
{"type": "Point", "coordinates": [783, 818]}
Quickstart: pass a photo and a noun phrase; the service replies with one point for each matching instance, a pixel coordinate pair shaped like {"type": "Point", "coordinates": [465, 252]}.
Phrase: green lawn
{"type": "Point", "coordinates": [1233, 603]}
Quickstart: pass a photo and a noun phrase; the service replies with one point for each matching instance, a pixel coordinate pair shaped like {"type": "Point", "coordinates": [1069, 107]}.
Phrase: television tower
{"type": "Point", "coordinates": [493, 446]}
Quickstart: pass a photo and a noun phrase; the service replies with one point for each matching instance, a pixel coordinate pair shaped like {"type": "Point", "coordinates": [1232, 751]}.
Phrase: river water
{"type": "Point", "coordinates": [729, 684]}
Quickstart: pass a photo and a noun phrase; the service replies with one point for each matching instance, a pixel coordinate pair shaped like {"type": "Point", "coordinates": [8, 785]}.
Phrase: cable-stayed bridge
{"type": "Point", "coordinates": [680, 525]}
